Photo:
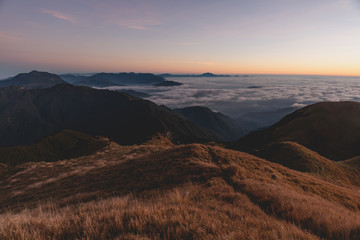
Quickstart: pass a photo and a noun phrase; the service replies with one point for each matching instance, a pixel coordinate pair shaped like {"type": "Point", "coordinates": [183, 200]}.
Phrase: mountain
{"type": "Point", "coordinates": [134, 93]}
{"type": "Point", "coordinates": [330, 128]}
{"type": "Point", "coordinates": [114, 79]}
{"type": "Point", "coordinates": [257, 120]}
{"type": "Point", "coordinates": [33, 79]}
{"type": "Point", "coordinates": [159, 190]}
{"type": "Point", "coordinates": [27, 116]}
{"type": "Point", "coordinates": [223, 125]}
{"type": "Point", "coordinates": [167, 84]}
{"type": "Point", "coordinates": [192, 75]}
{"type": "Point", "coordinates": [62, 145]}
{"type": "Point", "coordinates": [300, 158]}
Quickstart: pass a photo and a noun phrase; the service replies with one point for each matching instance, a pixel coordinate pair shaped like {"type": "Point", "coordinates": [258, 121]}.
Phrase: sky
{"type": "Point", "coordinates": [315, 37]}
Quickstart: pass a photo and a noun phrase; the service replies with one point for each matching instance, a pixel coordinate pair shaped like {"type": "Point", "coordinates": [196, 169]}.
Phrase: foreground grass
{"type": "Point", "coordinates": [191, 212]}
{"type": "Point", "coordinates": [163, 191]}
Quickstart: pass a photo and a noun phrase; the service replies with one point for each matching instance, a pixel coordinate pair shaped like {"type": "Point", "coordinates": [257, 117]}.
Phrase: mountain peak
{"type": "Point", "coordinates": [33, 79]}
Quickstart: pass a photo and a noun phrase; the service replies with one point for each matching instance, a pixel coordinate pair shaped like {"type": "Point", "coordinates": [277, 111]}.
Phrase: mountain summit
{"type": "Point", "coordinates": [33, 79]}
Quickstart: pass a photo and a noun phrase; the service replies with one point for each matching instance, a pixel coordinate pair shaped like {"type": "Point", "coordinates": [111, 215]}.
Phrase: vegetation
{"type": "Point", "coordinates": [163, 191]}
{"type": "Point", "coordinates": [65, 144]}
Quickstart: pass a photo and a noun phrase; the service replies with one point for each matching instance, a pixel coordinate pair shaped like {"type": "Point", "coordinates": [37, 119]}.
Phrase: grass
{"type": "Point", "coordinates": [298, 157]}
{"type": "Point", "coordinates": [189, 212]}
{"type": "Point", "coordinates": [65, 144]}
{"type": "Point", "coordinates": [164, 191]}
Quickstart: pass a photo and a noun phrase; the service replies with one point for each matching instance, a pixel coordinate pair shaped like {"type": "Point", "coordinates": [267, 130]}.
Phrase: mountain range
{"type": "Point", "coordinates": [26, 116]}
{"type": "Point", "coordinates": [208, 74]}
{"type": "Point", "coordinates": [118, 79]}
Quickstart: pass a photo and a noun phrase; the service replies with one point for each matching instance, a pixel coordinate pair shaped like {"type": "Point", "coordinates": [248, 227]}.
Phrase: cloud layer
{"type": "Point", "coordinates": [239, 95]}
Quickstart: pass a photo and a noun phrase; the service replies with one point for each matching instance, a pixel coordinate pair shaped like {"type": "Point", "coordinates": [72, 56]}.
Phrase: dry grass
{"type": "Point", "coordinates": [191, 212]}
{"type": "Point", "coordinates": [300, 158]}
{"type": "Point", "coordinates": [174, 192]}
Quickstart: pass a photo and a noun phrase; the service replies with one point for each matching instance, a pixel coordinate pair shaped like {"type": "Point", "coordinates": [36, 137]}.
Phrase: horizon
{"type": "Point", "coordinates": [174, 73]}
{"type": "Point", "coordinates": [231, 37]}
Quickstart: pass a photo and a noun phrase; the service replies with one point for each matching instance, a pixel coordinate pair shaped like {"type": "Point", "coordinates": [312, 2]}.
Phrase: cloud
{"type": "Point", "coordinates": [233, 97]}
{"type": "Point", "coordinates": [58, 15]}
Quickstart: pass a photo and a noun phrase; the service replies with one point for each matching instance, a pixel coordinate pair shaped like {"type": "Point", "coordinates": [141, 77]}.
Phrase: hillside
{"type": "Point", "coordinates": [223, 125]}
{"type": "Point", "coordinates": [163, 191]}
{"type": "Point", "coordinates": [27, 116]}
{"type": "Point", "coordinates": [33, 79]}
{"type": "Point", "coordinates": [62, 145]}
{"type": "Point", "coordinates": [297, 157]}
{"type": "Point", "coordinates": [330, 128]}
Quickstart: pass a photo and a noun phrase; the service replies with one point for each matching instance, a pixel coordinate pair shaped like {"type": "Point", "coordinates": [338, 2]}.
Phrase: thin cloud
{"type": "Point", "coordinates": [58, 15]}
{"type": "Point", "coordinates": [9, 37]}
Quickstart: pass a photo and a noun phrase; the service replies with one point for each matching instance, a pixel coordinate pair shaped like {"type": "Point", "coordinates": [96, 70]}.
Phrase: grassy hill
{"type": "Point", "coordinates": [62, 145]}
{"type": "Point", "coordinates": [159, 190]}
{"type": "Point", "coordinates": [300, 158]}
{"type": "Point", "coordinates": [330, 128]}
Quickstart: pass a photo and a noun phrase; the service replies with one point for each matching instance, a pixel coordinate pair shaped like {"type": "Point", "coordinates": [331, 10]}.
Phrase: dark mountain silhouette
{"type": "Point", "coordinates": [27, 116]}
{"type": "Point", "coordinates": [192, 75]}
{"type": "Point", "coordinates": [167, 84]}
{"type": "Point", "coordinates": [264, 119]}
{"type": "Point", "coordinates": [135, 93]}
{"type": "Point", "coordinates": [330, 128]}
{"type": "Point", "coordinates": [223, 125]}
{"type": "Point", "coordinates": [114, 79]}
{"type": "Point", "coordinates": [33, 80]}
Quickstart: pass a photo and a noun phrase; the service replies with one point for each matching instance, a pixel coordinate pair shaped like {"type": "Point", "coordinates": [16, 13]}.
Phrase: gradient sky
{"type": "Point", "coordinates": [182, 36]}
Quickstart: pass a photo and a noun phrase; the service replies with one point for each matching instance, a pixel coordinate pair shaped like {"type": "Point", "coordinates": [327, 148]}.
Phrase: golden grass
{"type": "Point", "coordinates": [165, 191]}
{"type": "Point", "coordinates": [298, 157]}
{"type": "Point", "coordinates": [190, 212]}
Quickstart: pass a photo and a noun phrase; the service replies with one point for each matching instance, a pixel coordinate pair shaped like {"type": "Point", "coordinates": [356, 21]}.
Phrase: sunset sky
{"type": "Point", "coordinates": [182, 36]}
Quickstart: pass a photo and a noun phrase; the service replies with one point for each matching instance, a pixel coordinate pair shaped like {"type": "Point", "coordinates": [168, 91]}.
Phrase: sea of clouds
{"type": "Point", "coordinates": [238, 96]}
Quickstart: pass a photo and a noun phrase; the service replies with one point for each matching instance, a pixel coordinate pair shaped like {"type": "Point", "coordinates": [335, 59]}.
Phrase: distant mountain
{"type": "Point", "coordinates": [330, 128]}
{"type": "Point", "coordinates": [254, 120]}
{"type": "Point", "coordinates": [167, 84]}
{"type": "Point", "coordinates": [114, 79]}
{"type": "Point", "coordinates": [27, 116]}
{"type": "Point", "coordinates": [33, 79]}
{"type": "Point", "coordinates": [192, 75]}
{"type": "Point", "coordinates": [229, 129]}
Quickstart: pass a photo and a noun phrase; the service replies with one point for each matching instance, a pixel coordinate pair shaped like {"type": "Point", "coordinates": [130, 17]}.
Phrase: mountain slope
{"type": "Point", "coordinates": [297, 157]}
{"type": "Point", "coordinates": [62, 145]}
{"type": "Point", "coordinates": [175, 192]}
{"type": "Point", "coordinates": [226, 127]}
{"type": "Point", "coordinates": [33, 80]}
{"type": "Point", "coordinates": [330, 128]}
{"type": "Point", "coordinates": [28, 116]}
